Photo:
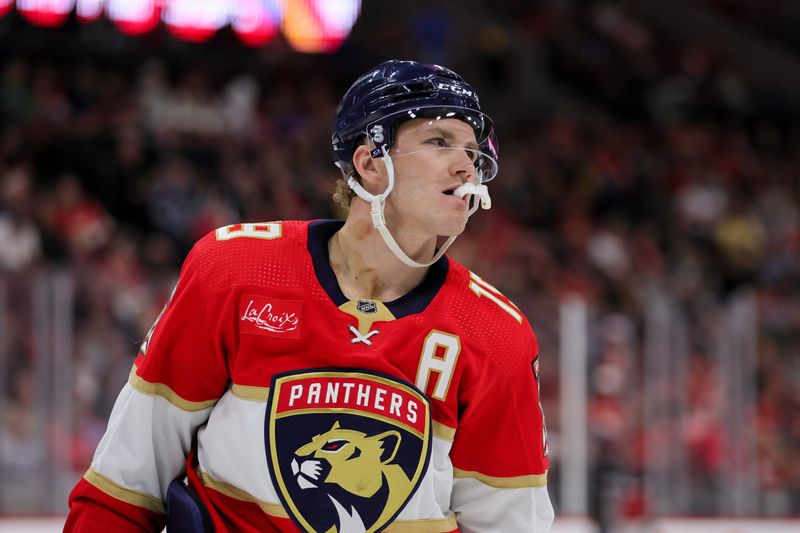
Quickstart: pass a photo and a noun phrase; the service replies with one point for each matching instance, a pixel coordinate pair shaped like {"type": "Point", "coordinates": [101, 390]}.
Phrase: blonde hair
{"type": "Point", "coordinates": [342, 193]}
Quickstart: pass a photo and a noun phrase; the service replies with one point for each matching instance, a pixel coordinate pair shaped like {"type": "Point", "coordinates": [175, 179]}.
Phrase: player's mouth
{"type": "Point", "coordinates": [451, 193]}
{"type": "Point", "coordinates": [451, 190]}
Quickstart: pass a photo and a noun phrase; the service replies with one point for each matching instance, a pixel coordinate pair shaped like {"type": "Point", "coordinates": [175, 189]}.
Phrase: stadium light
{"type": "Point", "coordinates": [310, 26]}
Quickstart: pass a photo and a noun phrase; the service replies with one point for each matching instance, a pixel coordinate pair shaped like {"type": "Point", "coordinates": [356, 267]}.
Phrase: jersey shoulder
{"type": "Point", "coordinates": [491, 321]}
{"type": "Point", "coordinates": [263, 253]}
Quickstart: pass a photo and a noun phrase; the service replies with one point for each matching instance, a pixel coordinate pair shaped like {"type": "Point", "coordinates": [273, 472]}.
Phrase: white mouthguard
{"type": "Point", "coordinates": [481, 191]}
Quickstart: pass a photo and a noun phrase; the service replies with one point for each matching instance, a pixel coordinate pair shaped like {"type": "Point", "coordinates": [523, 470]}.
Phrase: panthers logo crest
{"type": "Point", "coordinates": [347, 449]}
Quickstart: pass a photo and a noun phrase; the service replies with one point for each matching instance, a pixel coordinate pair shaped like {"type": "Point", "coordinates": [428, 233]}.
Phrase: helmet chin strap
{"type": "Point", "coordinates": [378, 204]}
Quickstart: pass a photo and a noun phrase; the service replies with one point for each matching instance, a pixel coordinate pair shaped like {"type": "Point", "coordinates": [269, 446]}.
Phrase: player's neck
{"type": "Point", "coordinates": [364, 265]}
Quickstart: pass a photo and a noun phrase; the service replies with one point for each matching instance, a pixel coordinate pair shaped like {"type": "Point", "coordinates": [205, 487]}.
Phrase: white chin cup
{"type": "Point", "coordinates": [481, 191]}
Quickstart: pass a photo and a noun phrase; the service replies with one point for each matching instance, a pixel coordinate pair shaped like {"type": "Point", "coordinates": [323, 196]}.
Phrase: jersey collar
{"type": "Point", "coordinates": [415, 301]}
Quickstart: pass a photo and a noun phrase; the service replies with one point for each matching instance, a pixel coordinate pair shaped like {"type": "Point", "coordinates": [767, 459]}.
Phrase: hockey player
{"type": "Point", "coordinates": [339, 377]}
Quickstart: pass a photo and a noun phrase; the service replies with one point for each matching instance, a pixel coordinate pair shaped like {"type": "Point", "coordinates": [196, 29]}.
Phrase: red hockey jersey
{"type": "Point", "coordinates": [303, 411]}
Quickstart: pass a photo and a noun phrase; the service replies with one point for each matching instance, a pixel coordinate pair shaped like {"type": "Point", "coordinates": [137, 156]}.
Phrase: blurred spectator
{"type": "Point", "coordinates": [21, 243]}
{"type": "Point", "coordinates": [23, 451]}
{"type": "Point", "coordinates": [78, 219]}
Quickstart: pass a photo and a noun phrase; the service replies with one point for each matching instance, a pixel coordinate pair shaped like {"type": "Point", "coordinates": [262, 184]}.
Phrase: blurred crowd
{"type": "Point", "coordinates": [666, 171]}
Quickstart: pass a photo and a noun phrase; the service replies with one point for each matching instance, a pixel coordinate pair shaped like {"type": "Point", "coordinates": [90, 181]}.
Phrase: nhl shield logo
{"type": "Point", "coordinates": [346, 448]}
{"type": "Point", "coordinates": [367, 306]}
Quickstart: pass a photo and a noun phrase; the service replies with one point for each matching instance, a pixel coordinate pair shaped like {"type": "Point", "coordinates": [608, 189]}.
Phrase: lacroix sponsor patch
{"type": "Point", "coordinates": [264, 315]}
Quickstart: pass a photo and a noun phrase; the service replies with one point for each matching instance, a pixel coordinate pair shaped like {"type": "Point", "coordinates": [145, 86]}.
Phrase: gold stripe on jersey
{"type": "Point", "coordinates": [443, 432]}
{"type": "Point", "coordinates": [249, 392]}
{"type": "Point", "coordinates": [515, 482]}
{"type": "Point", "coordinates": [272, 509]}
{"type": "Point", "coordinates": [440, 525]}
{"type": "Point", "coordinates": [159, 389]}
{"type": "Point", "coordinates": [133, 497]}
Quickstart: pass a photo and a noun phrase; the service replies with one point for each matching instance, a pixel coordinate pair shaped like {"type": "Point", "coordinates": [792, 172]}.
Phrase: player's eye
{"type": "Point", "coordinates": [333, 445]}
{"type": "Point", "coordinates": [438, 141]}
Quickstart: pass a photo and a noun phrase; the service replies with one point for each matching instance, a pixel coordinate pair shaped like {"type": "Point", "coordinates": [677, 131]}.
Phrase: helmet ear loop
{"type": "Point", "coordinates": [387, 160]}
{"type": "Point", "coordinates": [359, 189]}
{"type": "Point", "coordinates": [378, 202]}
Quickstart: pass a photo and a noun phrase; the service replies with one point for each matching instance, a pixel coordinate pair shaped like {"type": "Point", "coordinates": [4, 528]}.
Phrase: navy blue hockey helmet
{"type": "Point", "coordinates": [396, 91]}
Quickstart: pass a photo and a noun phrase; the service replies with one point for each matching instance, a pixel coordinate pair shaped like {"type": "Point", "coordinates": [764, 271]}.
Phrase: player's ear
{"type": "Point", "coordinates": [371, 172]}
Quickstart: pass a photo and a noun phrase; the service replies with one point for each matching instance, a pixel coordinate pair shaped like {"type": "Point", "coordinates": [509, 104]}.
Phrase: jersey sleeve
{"type": "Point", "coordinates": [499, 452]}
{"type": "Point", "coordinates": [177, 377]}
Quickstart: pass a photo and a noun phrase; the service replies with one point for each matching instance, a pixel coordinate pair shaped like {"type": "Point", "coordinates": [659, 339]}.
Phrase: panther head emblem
{"type": "Point", "coordinates": [356, 473]}
{"type": "Point", "coordinates": [347, 448]}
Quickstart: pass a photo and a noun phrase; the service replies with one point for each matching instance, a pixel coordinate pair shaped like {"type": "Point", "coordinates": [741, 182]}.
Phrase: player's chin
{"type": "Point", "coordinates": [454, 226]}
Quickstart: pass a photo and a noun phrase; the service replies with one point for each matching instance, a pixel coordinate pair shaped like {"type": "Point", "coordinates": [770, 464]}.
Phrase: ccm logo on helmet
{"type": "Point", "coordinates": [455, 89]}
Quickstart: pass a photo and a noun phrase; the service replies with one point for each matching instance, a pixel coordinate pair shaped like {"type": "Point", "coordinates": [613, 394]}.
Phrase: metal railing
{"type": "Point", "coordinates": [40, 406]}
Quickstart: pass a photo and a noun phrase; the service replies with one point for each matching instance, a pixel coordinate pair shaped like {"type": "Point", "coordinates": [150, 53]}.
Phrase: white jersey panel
{"type": "Point", "coordinates": [230, 448]}
{"type": "Point", "coordinates": [146, 442]}
{"type": "Point", "coordinates": [481, 508]}
{"type": "Point", "coordinates": [432, 498]}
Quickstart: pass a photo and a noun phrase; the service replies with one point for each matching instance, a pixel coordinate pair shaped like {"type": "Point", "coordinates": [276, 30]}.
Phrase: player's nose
{"type": "Point", "coordinates": [462, 164]}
